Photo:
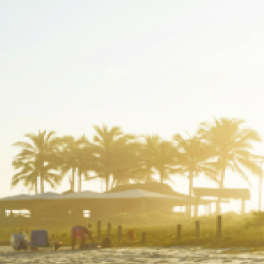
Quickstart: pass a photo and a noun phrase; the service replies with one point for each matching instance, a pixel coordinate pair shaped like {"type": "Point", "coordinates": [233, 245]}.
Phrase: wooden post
{"type": "Point", "coordinates": [219, 226]}
{"type": "Point", "coordinates": [179, 233]}
{"type": "Point", "coordinates": [120, 233]}
{"type": "Point", "coordinates": [109, 229]}
{"type": "Point", "coordinates": [99, 229]}
{"type": "Point", "coordinates": [197, 229]}
{"type": "Point", "coordinates": [143, 237]}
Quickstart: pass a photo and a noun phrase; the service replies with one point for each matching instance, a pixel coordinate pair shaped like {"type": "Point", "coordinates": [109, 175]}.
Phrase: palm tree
{"type": "Point", "coordinates": [108, 146]}
{"type": "Point", "coordinates": [77, 157]}
{"type": "Point", "coordinates": [40, 158]}
{"type": "Point", "coordinates": [159, 156]}
{"type": "Point", "coordinates": [146, 153]}
{"type": "Point", "coordinates": [127, 163]}
{"type": "Point", "coordinates": [27, 175]}
{"type": "Point", "coordinates": [194, 159]}
{"type": "Point", "coordinates": [232, 145]}
{"type": "Point", "coordinates": [69, 159]}
{"type": "Point", "coordinates": [85, 159]}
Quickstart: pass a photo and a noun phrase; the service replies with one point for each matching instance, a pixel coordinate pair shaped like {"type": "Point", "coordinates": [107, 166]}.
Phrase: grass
{"type": "Point", "coordinates": [238, 231]}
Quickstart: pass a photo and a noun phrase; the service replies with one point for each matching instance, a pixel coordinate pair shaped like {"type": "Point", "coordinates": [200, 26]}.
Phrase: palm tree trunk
{"type": "Point", "coordinates": [41, 181]}
{"type": "Point", "coordinates": [107, 182]}
{"type": "Point", "coordinates": [113, 184]}
{"type": "Point", "coordinates": [222, 178]}
{"type": "Point", "coordinates": [42, 184]}
{"type": "Point", "coordinates": [190, 184]}
{"type": "Point", "coordinates": [190, 192]}
{"type": "Point", "coordinates": [73, 180]}
{"type": "Point", "coordinates": [36, 185]}
{"type": "Point", "coordinates": [42, 177]}
{"type": "Point", "coordinates": [221, 186]}
{"type": "Point", "coordinates": [80, 181]}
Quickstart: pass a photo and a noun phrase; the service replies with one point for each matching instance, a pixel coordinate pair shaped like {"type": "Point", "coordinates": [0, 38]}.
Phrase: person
{"type": "Point", "coordinates": [131, 234]}
{"type": "Point", "coordinates": [56, 245]}
{"type": "Point", "coordinates": [81, 232]}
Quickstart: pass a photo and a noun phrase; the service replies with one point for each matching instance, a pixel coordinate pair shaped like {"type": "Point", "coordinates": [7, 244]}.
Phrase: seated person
{"type": "Point", "coordinates": [80, 232]}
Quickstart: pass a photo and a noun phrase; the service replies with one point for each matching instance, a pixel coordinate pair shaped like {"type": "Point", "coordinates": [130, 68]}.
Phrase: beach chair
{"type": "Point", "coordinates": [39, 238]}
{"type": "Point", "coordinates": [19, 241]}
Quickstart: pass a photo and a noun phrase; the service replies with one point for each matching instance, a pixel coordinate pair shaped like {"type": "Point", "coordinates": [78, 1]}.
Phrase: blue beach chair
{"type": "Point", "coordinates": [39, 238]}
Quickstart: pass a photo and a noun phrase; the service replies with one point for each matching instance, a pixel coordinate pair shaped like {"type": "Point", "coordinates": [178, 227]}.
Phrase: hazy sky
{"type": "Point", "coordinates": [147, 66]}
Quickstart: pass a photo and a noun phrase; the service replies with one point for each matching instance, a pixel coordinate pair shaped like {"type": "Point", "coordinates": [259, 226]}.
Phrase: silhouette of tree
{"type": "Point", "coordinates": [232, 145]}
{"type": "Point", "coordinates": [85, 160]}
{"type": "Point", "coordinates": [38, 159]}
{"type": "Point", "coordinates": [108, 146]}
{"type": "Point", "coordinates": [27, 174]}
{"type": "Point", "coordinates": [69, 159]}
{"type": "Point", "coordinates": [127, 162]}
{"type": "Point", "coordinates": [158, 155]}
{"type": "Point", "coordinates": [147, 160]}
{"type": "Point", "coordinates": [194, 158]}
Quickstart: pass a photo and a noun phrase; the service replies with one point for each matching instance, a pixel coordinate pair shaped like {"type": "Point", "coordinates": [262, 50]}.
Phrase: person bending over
{"type": "Point", "coordinates": [81, 232]}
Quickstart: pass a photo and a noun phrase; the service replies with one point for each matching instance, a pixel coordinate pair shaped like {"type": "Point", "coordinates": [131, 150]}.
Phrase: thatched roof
{"type": "Point", "coordinates": [137, 193]}
{"type": "Point", "coordinates": [155, 187]}
{"type": "Point", "coordinates": [160, 188]}
{"type": "Point", "coordinates": [52, 196]}
{"type": "Point", "coordinates": [222, 193]}
{"type": "Point", "coordinates": [42, 196]}
{"type": "Point", "coordinates": [92, 196]}
{"type": "Point", "coordinates": [156, 191]}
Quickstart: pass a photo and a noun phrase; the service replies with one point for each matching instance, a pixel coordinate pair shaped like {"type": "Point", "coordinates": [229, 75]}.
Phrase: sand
{"type": "Point", "coordinates": [129, 256]}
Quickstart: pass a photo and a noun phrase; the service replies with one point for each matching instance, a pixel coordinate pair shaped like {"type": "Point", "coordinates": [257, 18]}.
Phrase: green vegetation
{"type": "Point", "coordinates": [161, 229]}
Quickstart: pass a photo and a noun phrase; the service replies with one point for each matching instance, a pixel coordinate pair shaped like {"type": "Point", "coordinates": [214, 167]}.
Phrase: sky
{"type": "Point", "coordinates": [148, 66]}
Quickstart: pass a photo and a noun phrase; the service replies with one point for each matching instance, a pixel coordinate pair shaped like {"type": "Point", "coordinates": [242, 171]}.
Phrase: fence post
{"type": "Point", "coordinates": [179, 233]}
{"type": "Point", "coordinates": [99, 229]}
{"type": "Point", "coordinates": [219, 226]}
{"type": "Point", "coordinates": [109, 229]}
{"type": "Point", "coordinates": [143, 237]}
{"type": "Point", "coordinates": [119, 233]}
{"type": "Point", "coordinates": [197, 229]}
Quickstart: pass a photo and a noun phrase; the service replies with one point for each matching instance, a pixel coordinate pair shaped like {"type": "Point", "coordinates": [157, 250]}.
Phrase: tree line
{"type": "Point", "coordinates": [121, 158]}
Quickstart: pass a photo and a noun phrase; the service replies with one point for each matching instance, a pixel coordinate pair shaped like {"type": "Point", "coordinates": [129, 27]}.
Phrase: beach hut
{"type": "Point", "coordinates": [127, 198]}
{"type": "Point", "coordinates": [237, 194]}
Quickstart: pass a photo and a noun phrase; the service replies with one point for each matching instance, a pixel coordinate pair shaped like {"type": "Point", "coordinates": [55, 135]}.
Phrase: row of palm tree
{"type": "Point", "coordinates": [120, 158]}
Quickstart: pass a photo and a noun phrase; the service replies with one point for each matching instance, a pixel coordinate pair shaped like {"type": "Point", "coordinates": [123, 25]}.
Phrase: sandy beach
{"type": "Point", "coordinates": [129, 256]}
